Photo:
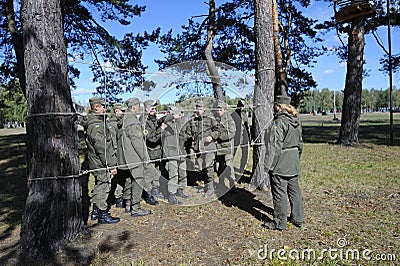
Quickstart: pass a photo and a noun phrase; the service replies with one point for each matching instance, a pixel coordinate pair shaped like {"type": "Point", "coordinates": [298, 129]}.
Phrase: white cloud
{"type": "Point", "coordinates": [329, 71]}
{"type": "Point", "coordinates": [335, 69]}
{"type": "Point", "coordinates": [82, 91]}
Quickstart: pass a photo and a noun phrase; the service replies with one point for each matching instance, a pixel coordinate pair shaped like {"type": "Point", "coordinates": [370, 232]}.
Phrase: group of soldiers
{"type": "Point", "coordinates": [130, 151]}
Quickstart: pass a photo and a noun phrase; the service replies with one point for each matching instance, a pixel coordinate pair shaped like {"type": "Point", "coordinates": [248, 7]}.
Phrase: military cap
{"type": "Point", "coordinates": [200, 104]}
{"type": "Point", "coordinates": [174, 110]}
{"type": "Point", "coordinates": [240, 103]}
{"type": "Point", "coordinates": [120, 106]}
{"type": "Point", "coordinates": [97, 100]}
{"type": "Point", "coordinates": [131, 102]}
{"type": "Point", "coordinates": [221, 105]}
{"type": "Point", "coordinates": [281, 99]}
{"type": "Point", "coordinates": [150, 103]}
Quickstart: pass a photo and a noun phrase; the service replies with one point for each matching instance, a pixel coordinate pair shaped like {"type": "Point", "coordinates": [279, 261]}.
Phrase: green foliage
{"type": "Point", "coordinates": [85, 37]}
{"type": "Point", "coordinates": [321, 101]}
{"type": "Point", "coordinates": [371, 26]}
{"type": "Point", "coordinates": [13, 106]}
{"type": "Point", "coordinates": [374, 100]}
{"type": "Point", "coordinates": [234, 41]}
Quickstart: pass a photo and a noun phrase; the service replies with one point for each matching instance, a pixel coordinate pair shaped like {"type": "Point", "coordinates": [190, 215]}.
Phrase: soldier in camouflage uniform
{"type": "Point", "coordinates": [242, 134]}
{"type": "Point", "coordinates": [132, 155]}
{"type": "Point", "coordinates": [102, 159]}
{"type": "Point", "coordinates": [201, 132]}
{"type": "Point", "coordinates": [285, 167]}
{"type": "Point", "coordinates": [175, 155]}
{"type": "Point", "coordinates": [116, 113]}
{"type": "Point", "coordinates": [152, 136]}
{"type": "Point", "coordinates": [224, 158]}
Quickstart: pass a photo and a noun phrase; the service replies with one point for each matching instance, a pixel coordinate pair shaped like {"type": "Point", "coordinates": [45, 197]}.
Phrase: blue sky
{"type": "Point", "coordinates": [329, 72]}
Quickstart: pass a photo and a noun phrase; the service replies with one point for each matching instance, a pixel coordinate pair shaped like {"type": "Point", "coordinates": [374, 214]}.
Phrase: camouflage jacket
{"type": "Point", "coordinates": [242, 134]}
{"type": "Point", "coordinates": [101, 153]}
{"type": "Point", "coordinates": [197, 128]}
{"type": "Point", "coordinates": [288, 145]}
{"type": "Point", "coordinates": [172, 142]}
{"type": "Point", "coordinates": [112, 124]}
{"type": "Point", "coordinates": [132, 150]}
{"type": "Point", "coordinates": [152, 135]}
{"type": "Point", "coordinates": [226, 134]}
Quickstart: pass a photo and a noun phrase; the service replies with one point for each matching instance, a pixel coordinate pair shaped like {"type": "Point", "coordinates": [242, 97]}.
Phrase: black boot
{"type": "Point", "coordinates": [137, 211]}
{"type": "Point", "coordinates": [180, 193]}
{"type": "Point", "coordinates": [271, 226]}
{"type": "Point", "coordinates": [106, 218]}
{"type": "Point", "coordinates": [173, 201]}
{"type": "Point", "coordinates": [119, 203]}
{"type": "Point", "coordinates": [155, 192]}
{"type": "Point", "coordinates": [95, 212]}
{"type": "Point", "coordinates": [128, 206]}
{"type": "Point", "coordinates": [232, 186]}
{"type": "Point", "coordinates": [149, 199]}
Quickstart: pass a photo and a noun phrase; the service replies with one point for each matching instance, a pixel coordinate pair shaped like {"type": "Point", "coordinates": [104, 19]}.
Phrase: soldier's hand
{"type": "Point", "coordinates": [164, 126]}
{"type": "Point", "coordinates": [208, 139]}
{"type": "Point", "coordinates": [113, 171]}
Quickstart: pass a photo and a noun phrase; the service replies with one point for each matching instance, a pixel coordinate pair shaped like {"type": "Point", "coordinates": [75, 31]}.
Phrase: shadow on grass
{"type": "Point", "coordinates": [375, 134]}
{"type": "Point", "coordinates": [379, 134]}
{"type": "Point", "coordinates": [13, 192]}
{"type": "Point", "coordinates": [246, 201]}
{"type": "Point", "coordinates": [13, 188]}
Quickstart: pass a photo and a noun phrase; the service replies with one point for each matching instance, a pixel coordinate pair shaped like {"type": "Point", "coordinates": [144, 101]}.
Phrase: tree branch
{"type": "Point", "coordinates": [379, 42]}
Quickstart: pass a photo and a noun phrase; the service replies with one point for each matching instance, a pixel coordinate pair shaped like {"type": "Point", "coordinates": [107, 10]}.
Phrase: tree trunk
{"type": "Point", "coordinates": [264, 88]}
{"type": "Point", "coordinates": [281, 85]}
{"type": "Point", "coordinates": [53, 211]}
{"type": "Point", "coordinates": [16, 39]}
{"type": "Point", "coordinates": [212, 69]}
{"type": "Point", "coordinates": [350, 123]}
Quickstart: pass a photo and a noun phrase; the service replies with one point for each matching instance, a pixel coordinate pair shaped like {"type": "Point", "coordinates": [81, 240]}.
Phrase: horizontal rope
{"type": "Point", "coordinates": [85, 172]}
{"type": "Point", "coordinates": [230, 107]}
{"type": "Point", "coordinates": [51, 114]}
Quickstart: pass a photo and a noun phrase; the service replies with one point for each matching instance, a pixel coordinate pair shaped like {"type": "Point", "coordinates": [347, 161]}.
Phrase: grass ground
{"type": "Point", "coordinates": [352, 205]}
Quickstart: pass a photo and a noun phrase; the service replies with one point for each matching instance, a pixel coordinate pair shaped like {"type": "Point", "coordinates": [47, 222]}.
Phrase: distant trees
{"type": "Point", "coordinates": [378, 100]}
{"type": "Point", "coordinates": [371, 101]}
{"type": "Point", "coordinates": [317, 101]}
{"type": "Point", "coordinates": [13, 105]}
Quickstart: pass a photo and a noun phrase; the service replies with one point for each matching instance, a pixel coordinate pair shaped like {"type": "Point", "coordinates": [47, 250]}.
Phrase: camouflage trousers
{"type": "Point", "coordinates": [101, 189]}
{"type": "Point", "coordinates": [177, 175]}
{"type": "Point", "coordinates": [282, 188]}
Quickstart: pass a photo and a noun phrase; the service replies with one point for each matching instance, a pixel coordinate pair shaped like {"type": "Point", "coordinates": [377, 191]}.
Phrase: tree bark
{"type": "Point", "coordinates": [264, 88]}
{"type": "Point", "coordinates": [212, 69]}
{"type": "Point", "coordinates": [350, 124]}
{"type": "Point", "coordinates": [53, 211]}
